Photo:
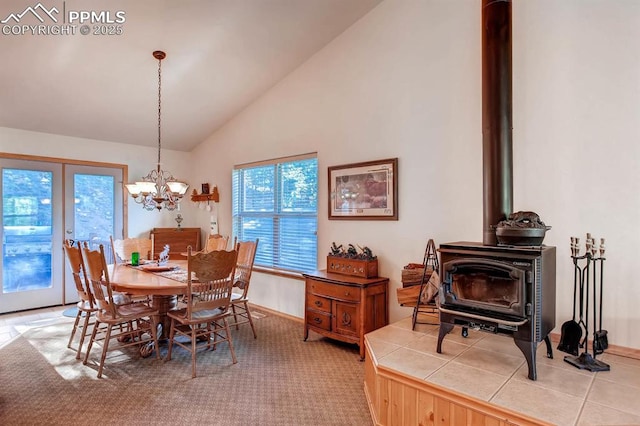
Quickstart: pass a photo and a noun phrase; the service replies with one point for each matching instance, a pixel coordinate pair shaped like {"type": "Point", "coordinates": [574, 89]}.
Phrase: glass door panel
{"type": "Point", "coordinates": [31, 227]}
{"type": "Point", "coordinates": [42, 204]}
{"type": "Point", "coordinates": [93, 210]}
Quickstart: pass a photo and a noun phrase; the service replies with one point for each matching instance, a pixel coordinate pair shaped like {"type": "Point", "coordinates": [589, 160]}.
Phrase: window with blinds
{"type": "Point", "coordinates": [277, 202]}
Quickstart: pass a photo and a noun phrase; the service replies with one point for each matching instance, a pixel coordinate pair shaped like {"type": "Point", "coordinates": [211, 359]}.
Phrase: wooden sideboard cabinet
{"type": "Point", "coordinates": [344, 307]}
{"type": "Point", "coordinates": [177, 238]}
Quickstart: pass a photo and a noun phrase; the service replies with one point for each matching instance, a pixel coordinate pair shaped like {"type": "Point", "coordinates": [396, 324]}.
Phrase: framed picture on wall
{"type": "Point", "coordinates": [367, 190]}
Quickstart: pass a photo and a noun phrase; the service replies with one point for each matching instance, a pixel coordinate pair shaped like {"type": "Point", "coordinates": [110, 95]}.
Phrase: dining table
{"type": "Point", "coordinates": [162, 283]}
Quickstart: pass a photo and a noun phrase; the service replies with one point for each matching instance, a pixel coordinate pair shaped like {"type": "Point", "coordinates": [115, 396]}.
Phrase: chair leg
{"type": "Point", "coordinates": [91, 340]}
{"type": "Point", "coordinates": [229, 340]}
{"type": "Point", "coordinates": [75, 327]}
{"type": "Point", "coordinates": [216, 333]}
{"type": "Point", "coordinates": [105, 348]}
{"type": "Point", "coordinates": [172, 333]}
{"type": "Point", "coordinates": [128, 336]}
{"type": "Point", "coordinates": [154, 335]}
{"type": "Point", "coordinates": [209, 346]}
{"type": "Point", "coordinates": [246, 308]}
{"type": "Point", "coordinates": [87, 316]}
{"type": "Point", "coordinates": [235, 316]}
{"type": "Point", "coordinates": [193, 351]}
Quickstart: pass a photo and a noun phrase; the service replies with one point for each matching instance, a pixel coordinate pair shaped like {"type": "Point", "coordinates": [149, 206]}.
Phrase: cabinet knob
{"type": "Point", "coordinates": [318, 303]}
{"type": "Point", "coordinates": [317, 320]}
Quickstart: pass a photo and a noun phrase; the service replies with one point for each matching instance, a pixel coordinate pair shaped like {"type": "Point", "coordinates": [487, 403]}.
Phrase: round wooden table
{"type": "Point", "coordinates": [163, 291]}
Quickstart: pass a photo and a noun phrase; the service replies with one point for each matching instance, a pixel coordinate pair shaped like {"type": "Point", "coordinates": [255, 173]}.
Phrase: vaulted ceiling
{"type": "Point", "coordinates": [221, 56]}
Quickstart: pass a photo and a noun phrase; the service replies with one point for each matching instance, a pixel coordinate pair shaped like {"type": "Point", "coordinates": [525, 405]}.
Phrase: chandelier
{"type": "Point", "coordinates": [158, 189]}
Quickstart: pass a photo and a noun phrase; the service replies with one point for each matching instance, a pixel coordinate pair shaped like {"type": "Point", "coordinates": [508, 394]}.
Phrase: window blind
{"type": "Point", "coordinates": [277, 202]}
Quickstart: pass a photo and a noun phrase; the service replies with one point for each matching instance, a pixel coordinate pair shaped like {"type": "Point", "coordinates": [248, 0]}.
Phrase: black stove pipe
{"type": "Point", "coordinates": [497, 127]}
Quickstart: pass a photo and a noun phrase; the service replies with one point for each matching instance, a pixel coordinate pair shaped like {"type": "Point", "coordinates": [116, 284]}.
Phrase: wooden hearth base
{"type": "Point", "coordinates": [395, 398]}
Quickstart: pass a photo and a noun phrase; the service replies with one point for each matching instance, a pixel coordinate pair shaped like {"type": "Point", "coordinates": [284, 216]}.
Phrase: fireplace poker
{"type": "Point", "coordinates": [581, 319]}
{"type": "Point", "coordinates": [585, 294]}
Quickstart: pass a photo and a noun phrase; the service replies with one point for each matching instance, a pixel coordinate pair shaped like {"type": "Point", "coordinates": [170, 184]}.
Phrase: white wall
{"type": "Point", "coordinates": [375, 92]}
{"type": "Point", "coordinates": [576, 130]}
{"type": "Point", "coordinates": [405, 81]}
{"type": "Point", "coordinates": [138, 159]}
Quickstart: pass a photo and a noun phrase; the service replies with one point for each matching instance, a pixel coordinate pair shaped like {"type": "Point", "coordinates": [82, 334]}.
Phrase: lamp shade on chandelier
{"type": "Point", "coordinates": [158, 189]}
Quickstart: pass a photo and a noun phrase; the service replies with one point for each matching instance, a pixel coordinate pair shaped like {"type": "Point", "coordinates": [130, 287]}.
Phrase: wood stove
{"type": "Point", "coordinates": [508, 290]}
{"type": "Point", "coordinates": [500, 289]}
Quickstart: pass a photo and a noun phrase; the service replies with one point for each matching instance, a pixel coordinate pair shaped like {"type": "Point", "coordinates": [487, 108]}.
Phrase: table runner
{"type": "Point", "coordinates": [177, 274]}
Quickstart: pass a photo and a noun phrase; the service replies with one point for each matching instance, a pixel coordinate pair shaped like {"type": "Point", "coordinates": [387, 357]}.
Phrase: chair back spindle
{"type": "Point", "coordinates": [73, 254]}
{"type": "Point", "coordinates": [240, 300]}
{"type": "Point", "coordinates": [212, 286]}
{"type": "Point", "coordinates": [123, 248]}
{"type": "Point", "coordinates": [98, 275]}
{"type": "Point", "coordinates": [216, 242]}
{"type": "Point", "coordinates": [244, 267]}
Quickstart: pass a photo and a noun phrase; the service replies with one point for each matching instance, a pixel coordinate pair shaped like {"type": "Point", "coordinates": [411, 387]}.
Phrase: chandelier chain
{"type": "Point", "coordinates": [159, 107]}
{"type": "Point", "coordinates": [158, 189]}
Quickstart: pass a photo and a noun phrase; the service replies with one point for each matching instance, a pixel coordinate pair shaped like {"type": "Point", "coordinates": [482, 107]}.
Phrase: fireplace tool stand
{"type": "Point", "coordinates": [430, 262]}
{"type": "Point", "coordinates": [588, 277]}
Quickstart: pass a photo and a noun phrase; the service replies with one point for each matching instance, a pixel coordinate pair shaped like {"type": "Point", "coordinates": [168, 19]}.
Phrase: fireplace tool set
{"type": "Point", "coordinates": [588, 275]}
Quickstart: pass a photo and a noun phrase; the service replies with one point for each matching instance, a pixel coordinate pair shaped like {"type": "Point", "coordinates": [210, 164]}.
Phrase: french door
{"type": "Point", "coordinates": [93, 210]}
{"type": "Point", "coordinates": [42, 204]}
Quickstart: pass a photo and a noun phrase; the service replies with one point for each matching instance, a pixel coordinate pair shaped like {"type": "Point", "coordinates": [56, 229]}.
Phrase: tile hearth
{"type": "Point", "coordinates": [491, 368]}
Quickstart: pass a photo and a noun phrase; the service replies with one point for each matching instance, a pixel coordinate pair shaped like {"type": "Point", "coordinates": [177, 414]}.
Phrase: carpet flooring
{"type": "Point", "coordinates": [279, 380]}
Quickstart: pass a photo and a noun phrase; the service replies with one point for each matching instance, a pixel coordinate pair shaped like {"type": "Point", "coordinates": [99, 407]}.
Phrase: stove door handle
{"type": "Point", "coordinates": [483, 318]}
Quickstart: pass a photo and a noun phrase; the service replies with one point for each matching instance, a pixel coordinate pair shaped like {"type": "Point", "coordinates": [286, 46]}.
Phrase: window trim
{"type": "Point", "coordinates": [279, 272]}
{"type": "Point", "coordinates": [273, 161]}
{"type": "Point", "coordinates": [276, 214]}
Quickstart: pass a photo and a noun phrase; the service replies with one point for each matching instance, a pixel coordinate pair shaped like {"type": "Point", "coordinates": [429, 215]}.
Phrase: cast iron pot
{"type": "Point", "coordinates": [522, 229]}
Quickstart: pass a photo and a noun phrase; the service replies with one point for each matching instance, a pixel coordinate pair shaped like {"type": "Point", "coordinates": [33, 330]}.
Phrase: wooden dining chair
{"type": "Point", "coordinates": [240, 300]}
{"type": "Point", "coordinates": [204, 317]}
{"type": "Point", "coordinates": [122, 248]}
{"type": "Point", "coordinates": [121, 252]}
{"type": "Point", "coordinates": [132, 324]}
{"type": "Point", "coordinates": [216, 242]}
{"type": "Point", "coordinates": [86, 306]}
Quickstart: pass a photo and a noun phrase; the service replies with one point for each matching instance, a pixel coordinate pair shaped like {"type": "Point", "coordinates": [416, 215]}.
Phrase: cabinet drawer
{"type": "Point", "coordinates": [318, 303]}
{"type": "Point", "coordinates": [319, 319]}
{"type": "Point", "coordinates": [335, 291]}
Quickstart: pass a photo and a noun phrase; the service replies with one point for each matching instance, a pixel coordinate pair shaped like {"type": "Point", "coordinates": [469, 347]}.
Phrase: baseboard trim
{"type": "Point", "coordinates": [276, 313]}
